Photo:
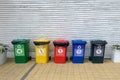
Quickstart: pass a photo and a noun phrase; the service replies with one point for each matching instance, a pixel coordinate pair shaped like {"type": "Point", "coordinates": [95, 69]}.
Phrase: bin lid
{"type": "Point", "coordinates": [20, 41]}
{"type": "Point", "coordinates": [41, 41]}
{"type": "Point", "coordinates": [98, 42]}
{"type": "Point", "coordinates": [61, 42]}
{"type": "Point", "coordinates": [79, 42]}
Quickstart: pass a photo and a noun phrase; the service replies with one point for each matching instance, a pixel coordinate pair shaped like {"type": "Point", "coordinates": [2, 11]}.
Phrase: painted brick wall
{"type": "Point", "coordinates": [68, 19]}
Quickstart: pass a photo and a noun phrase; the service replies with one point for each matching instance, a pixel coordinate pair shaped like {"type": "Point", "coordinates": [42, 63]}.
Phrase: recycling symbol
{"type": "Point", "coordinates": [78, 51]}
{"type": "Point", "coordinates": [79, 47]}
{"type": "Point", "coordinates": [41, 51]}
{"type": "Point", "coordinates": [19, 51]}
{"type": "Point", "coordinates": [60, 50]}
{"type": "Point", "coordinates": [19, 46]}
{"type": "Point", "coordinates": [98, 51]}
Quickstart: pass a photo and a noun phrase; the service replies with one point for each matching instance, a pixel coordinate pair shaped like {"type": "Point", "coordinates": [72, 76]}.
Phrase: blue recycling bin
{"type": "Point", "coordinates": [78, 51]}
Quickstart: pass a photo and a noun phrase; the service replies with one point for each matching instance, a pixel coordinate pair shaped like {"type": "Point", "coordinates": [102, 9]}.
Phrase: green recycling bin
{"type": "Point", "coordinates": [21, 50]}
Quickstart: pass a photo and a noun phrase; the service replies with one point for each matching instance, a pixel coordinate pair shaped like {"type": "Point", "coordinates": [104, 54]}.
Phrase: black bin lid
{"type": "Point", "coordinates": [98, 42]}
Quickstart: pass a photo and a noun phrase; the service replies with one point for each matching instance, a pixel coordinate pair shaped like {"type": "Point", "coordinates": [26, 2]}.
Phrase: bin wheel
{"type": "Point", "coordinates": [66, 58]}
{"type": "Point", "coordinates": [30, 57]}
{"type": "Point", "coordinates": [49, 58]}
{"type": "Point", "coordinates": [70, 58]}
{"type": "Point", "coordinates": [90, 58]}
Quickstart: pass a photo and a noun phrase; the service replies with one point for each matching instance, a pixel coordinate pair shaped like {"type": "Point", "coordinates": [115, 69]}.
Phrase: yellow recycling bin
{"type": "Point", "coordinates": [42, 50]}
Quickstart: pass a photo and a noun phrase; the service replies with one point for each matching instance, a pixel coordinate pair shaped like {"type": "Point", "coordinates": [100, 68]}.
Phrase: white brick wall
{"type": "Point", "coordinates": [69, 19]}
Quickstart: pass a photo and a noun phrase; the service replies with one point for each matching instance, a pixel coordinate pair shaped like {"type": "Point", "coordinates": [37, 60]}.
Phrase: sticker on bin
{"type": "Point", "coordinates": [19, 46]}
{"type": "Point", "coordinates": [19, 50]}
{"type": "Point", "coordinates": [78, 51]}
{"type": "Point", "coordinates": [60, 52]}
{"type": "Point", "coordinates": [41, 51]}
{"type": "Point", "coordinates": [98, 50]}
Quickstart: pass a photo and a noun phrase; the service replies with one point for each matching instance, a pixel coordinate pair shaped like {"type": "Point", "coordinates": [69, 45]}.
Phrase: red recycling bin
{"type": "Point", "coordinates": [60, 50]}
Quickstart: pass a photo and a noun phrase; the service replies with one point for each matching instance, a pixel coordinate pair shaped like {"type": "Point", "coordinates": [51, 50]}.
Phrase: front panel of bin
{"type": "Point", "coordinates": [78, 53]}
{"type": "Point", "coordinates": [42, 53]}
{"type": "Point", "coordinates": [20, 53]}
{"type": "Point", "coordinates": [98, 53]}
{"type": "Point", "coordinates": [60, 54]}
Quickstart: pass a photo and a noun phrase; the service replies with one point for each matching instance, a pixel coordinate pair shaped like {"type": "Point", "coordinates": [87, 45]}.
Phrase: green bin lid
{"type": "Point", "coordinates": [20, 41]}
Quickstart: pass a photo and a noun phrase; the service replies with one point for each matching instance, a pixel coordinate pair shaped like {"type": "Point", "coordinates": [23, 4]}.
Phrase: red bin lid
{"type": "Point", "coordinates": [61, 40]}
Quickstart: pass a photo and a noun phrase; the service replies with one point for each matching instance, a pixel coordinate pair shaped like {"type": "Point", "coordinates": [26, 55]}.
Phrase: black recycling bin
{"type": "Point", "coordinates": [97, 51]}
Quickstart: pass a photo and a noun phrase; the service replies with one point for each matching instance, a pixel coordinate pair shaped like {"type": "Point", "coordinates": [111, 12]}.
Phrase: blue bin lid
{"type": "Point", "coordinates": [79, 42]}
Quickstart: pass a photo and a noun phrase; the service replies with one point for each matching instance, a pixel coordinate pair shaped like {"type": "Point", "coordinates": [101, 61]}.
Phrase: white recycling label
{"type": "Point", "coordinates": [19, 51]}
{"type": "Point", "coordinates": [79, 47]}
{"type": "Point", "coordinates": [18, 46]}
{"type": "Point", "coordinates": [98, 51]}
{"type": "Point", "coordinates": [41, 51]}
{"type": "Point", "coordinates": [78, 51]}
{"type": "Point", "coordinates": [60, 50]}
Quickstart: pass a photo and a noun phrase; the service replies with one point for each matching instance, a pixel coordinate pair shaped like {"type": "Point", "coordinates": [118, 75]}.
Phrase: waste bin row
{"type": "Point", "coordinates": [21, 50]}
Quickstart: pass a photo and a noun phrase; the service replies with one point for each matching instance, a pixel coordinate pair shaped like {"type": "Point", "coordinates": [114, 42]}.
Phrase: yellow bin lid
{"type": "Point", "coordinates": [41, 41]}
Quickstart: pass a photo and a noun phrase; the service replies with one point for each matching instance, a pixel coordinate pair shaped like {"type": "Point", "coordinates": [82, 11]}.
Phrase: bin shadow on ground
{"type": "Point", "coordinates": [108, 60]}
{"type": "Point", "coordinates": [86, 60]}
{"type": "Point", "coordinates": [67, 61]}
